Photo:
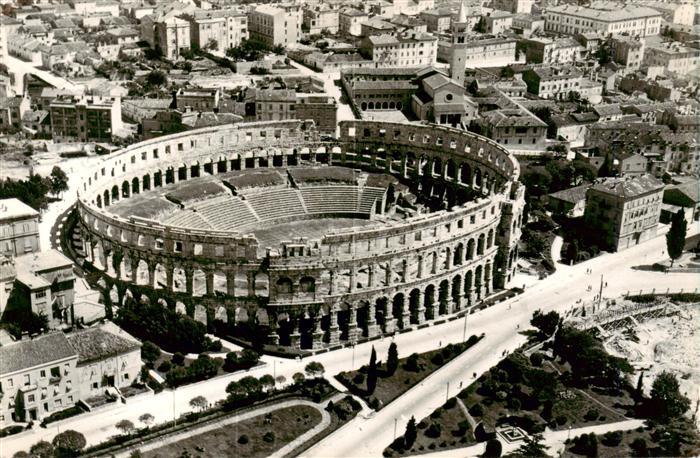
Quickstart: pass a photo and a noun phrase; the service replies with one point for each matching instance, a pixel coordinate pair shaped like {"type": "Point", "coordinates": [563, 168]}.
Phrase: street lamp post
{"type": "Point", "coordinates": [447, 392]}
{"type": "Point", "coordinates": [395, 420]}
{"type": "Point", "coordinates": [353, 357]}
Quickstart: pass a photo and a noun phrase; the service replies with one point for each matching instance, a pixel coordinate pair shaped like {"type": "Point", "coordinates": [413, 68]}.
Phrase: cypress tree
{"type": "Point", "coordinates": [675, 237]}
{"type": "Point", "coordinates": [372, 372]}
{"type": "Point", "coordinates": [392, 359]}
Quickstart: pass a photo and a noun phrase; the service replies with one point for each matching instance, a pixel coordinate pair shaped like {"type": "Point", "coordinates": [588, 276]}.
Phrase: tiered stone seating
{"type": "Point", "coordinates": [226, 213]}
{"type": "Point", "coordinates": [188, 219]}
{"type": "Point", "coordinates": [368, 198]}
{"type": "Point", "coordinates": [331, 199]}
{"type": "Point", "coordinates": [275, 203]}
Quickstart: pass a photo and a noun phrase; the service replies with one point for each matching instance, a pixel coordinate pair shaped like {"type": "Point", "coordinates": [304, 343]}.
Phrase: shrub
{"type": "Point", "coordinates": [561, 420]}
{"type": "Point", "coordinates": [612, 438]}
{"type": "Point", "coordinates": [450, 403]}
{"type": "Point", "coordinates": [358, 379]}
{"type": "Point", "coordinates": [437, 359]}
{"type": "Point", "coordinates": [164, 366]}
{"type": "Point", "coordinates": [536, 359]}
{"type": "Point", "coordinates": [433, 431]}
{"type": "Point", "coordinates": [243, 439]}
{"type": "Point", "coordinates": [639, 447]}
{"type": "Point", "coordinates": [178, 358]}
{"type": "Point", "coordinates": [422, 424]}
{"type": "Point", "coordinates": [494, 448]}
{"type": "Point", "coordinates": [591, 415]}
{"type": "Point", "coordinates": [269, 437]}
{"type": "Point", "coordinates": [437, 413]}
{"type": "Point", "coordinates": [476, 410]}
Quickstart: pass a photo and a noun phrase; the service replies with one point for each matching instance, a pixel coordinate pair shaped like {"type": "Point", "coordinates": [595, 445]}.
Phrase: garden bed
{"type": "Point", "coordinates": [410, 372]}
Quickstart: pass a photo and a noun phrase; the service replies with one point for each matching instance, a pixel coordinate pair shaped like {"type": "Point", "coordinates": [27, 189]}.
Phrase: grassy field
{"type": "Point", "coordinates": [285, 424]}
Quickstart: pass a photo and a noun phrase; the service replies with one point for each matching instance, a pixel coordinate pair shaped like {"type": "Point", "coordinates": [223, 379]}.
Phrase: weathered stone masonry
{"type": "Point", "coordinates": [363, 281]}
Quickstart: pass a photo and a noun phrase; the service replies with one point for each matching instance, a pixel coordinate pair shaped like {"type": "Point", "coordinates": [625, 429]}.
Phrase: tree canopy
{"type": "Point", "coordinates": [666, 401]}
{"type": "Point", "coordinates": [675, 237]}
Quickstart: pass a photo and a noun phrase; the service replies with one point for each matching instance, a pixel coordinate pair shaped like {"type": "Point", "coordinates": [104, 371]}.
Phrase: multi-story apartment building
{"type": "Point", "coordinates": [673, 57]}
{"type": "Point", "coordinates": [275, 25]}
{"type": "Point", "coordinates": [12, 109]}
{"type": "Point", "coordinates": [628, 51]}
{"type": "Point", "coordinates": [42, 371]}
{"type": "Point", "coordinates": [411, 49]}
{"type": "Point", "coordinates": [107, 357]}
{"type": "Point", "coordinates": [222, 29]}
{"type": "Point", "coordinates": [46, 279]}
{"type": "Point", "coordinates": [514, 6]}
{"type": "Point", "coordinates": [8, 27]}
{"type": "Point", "coordinates": [281, 104]}
{"type": "Point", "coordinates": [624, 211]}
{"type": "Point", "coordinates": [484, 52]}
{"type": "Point", "coordinates": [604, 18]}
{"type": "Point", "coordinates": [682, 13]}
{"type": "Point", "coordinates": [498, 22]}
{"type": "Point", "coordinates": [19, 228]}
{"type": "Point", "coordinates": [552, 82]}
{"type": "Point", "coordinates": [541, 50]}
{"type": "Point", "coordinates": [172, 35]}
{"type": "Point", "coordinates": [198, 99]}
{"type": "Point", "coordinates": [320, 19]}
{"type": "Point", "coordinates": [350, 21]}
{"type": "Point", "coordinates": [437, 20]}
{"type": "Point", "coordinates": [527, 24]}
{"type": "Point", "coordinates": [52, 372]}
{"type": "Point", "coordinates": [85, 119]}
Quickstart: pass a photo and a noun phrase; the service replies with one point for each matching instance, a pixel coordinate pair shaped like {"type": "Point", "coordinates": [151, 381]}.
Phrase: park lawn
{"type": "Point", "coordinates": [287, 424]}
{"type": "Point", "coordinates": [391, 387]}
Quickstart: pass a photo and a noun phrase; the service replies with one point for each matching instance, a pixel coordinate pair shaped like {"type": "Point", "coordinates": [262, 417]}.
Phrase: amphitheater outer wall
{"type": "Point", "coordinates": [314, 292]}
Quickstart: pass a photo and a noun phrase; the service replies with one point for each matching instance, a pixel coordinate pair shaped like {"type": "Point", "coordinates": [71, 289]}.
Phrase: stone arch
{"type": "Point", "coordinates": [262, 284]}
{"type": "Point", "coordinates": [470, 249]}
{"type": "Point", "coordinates": [370, 106]}
{"type": "Point", "coordinates": [468, 282]}
{"type": "Point", "coordinates": [199, 282]}
{"type": "Point", "coordinates": [146, 182]}
{"type": "Point", "coordinates": [437, 166]}
{"type": "Point", "coordinates": [126, 189]}
{"type": "Point", "coordinates": [392, 105]}
{"type": "Point", "coordinates": [115, 193]}
{"type": "Point", "coordinates": [429, 301]}
{"type": "Point", "coordinates": [220, 314]}
{"type": "Point", "coordinates": [179, 279]}
{"type": "Point", "coordinates": [240, 315]}
{"type": "Point", "coordinates": [457, 291]}
{"type": "Point", "coordinates": [414, 305]}
{"type": "Point", "coordinates": [458, 257]}
{"type": "Point", "coordinates": [135, 187]}
{"type": "Point", "coordinates": [477, 178]}
{"type": "Point", "coordinates": [489, 239]}
{"type": "Point", "coordinates": [480, 244]}
{"type": "Point", "coordinates": [397, 306]}
{"type": "Point", "coordinates": [363, 106]}
{"type": "Point", "coordinates": [385, 105]}
{"type": "Point", "coordinates": [106, 199]}
{"type": "Point", "coordinates": [465, 173]}
{"type": "Point", "coordinates": [444, 296]}
{"type": "Point", "coordinates": [98, 201]}
{"type": "Point", "coordinates": [240, 283]}
{"type": "Point", "coordinates": [307, 285]}
{"type": "Point", "coordinates": [180, 308]}
{"type": "Point", "coordinates": [451, 170]}
{"type": "Point", "coordinates": [283, 285]}
{"type": "Point", "coordinates": [220, 283]}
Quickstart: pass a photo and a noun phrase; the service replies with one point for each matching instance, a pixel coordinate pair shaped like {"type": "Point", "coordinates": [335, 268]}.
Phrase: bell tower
{"type": "Point", "coordinates": [459, 39]}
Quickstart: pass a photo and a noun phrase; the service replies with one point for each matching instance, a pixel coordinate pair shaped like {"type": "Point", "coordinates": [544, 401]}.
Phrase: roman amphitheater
{"type": "Point", "coordinates": [308, 241]}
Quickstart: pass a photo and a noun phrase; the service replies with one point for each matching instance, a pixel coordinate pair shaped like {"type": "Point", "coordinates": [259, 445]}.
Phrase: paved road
{"type": "Point", "coordinates": [368, 437]}
{"type": "Point", "coordinates": [560, 291]}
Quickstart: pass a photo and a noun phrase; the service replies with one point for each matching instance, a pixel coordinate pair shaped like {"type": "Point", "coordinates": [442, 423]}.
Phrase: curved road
{"type": "Point", "coordinates": [501, 323]}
